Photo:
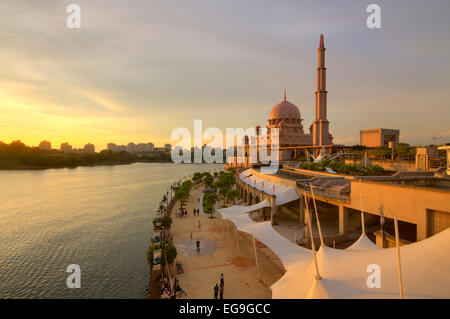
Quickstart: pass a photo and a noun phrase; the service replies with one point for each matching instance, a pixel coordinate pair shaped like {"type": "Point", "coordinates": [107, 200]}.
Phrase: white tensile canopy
{"type": "Point", "coordinates": [286, 250]}
{"type": "Point", "coordinates": [269, 187]}
{"type": "Point", "coordinates": [425, 272]}
{"type": "Point", "coordinates": [425, 265]}
{"type": "Point", "coordinates": [237, 209]}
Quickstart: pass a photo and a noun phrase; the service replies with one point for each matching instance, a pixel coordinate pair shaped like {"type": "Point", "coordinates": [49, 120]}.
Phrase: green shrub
{"type": "Point", "coordinates": [166, 221]}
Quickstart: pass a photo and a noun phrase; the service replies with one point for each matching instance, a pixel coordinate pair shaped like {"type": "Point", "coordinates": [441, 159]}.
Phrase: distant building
{"type": "Point", "coordinates": [111, 147]}
{"type": "Point", "coordinates": [66, 147]}
{"type": "Point", "coordinates": [168, 147]}
{"type": "Point", "coordinates": [89, 148]}
{"type": "Point", "coordinates": [132, 148]}
{"type": "Point", "coordinates": [45, 145]}
{"type": "Point", "coordinates": [378, 137]}
{"type": "Point", "coordinates": [447, 149]}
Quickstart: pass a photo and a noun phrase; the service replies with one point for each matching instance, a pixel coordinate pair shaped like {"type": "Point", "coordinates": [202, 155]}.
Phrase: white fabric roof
{"type": "Point", "coordinates": [286, 250]}
{"type": "Point", "coordinates": [287, 195]}
{"type": "Point", "coordinates": [234, 210]}
{"type": "Point", "coordinates": [284, 194]}
{"type": "Point", "coordinates": [363, 243]}
{"type": "Point", "coordinates": [425, 265]}
{"type": "Point", "coordinates": [425, 270]}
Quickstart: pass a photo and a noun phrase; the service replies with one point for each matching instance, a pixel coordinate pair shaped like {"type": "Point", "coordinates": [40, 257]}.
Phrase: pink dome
{"type": "Point", "coordinates": [283, 110]}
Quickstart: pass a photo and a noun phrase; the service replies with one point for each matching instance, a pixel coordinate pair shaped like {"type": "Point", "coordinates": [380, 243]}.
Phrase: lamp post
{"type": "Point", "coordinates": [382, 223]}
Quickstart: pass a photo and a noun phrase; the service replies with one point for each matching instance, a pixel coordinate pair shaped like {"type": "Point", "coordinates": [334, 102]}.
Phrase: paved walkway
{"type": "Point", "coordinates": [218, 254]}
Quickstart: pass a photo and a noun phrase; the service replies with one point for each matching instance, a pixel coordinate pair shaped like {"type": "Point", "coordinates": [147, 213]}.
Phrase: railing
{"type": "Point", "coordinates": [324, 191]}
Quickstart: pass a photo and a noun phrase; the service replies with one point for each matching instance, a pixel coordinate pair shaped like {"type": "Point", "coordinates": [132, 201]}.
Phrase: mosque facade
{"type": "Point", "coordinates": [286, 117]}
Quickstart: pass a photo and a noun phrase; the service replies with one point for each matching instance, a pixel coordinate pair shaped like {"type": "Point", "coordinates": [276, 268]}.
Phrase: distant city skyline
{"type": "Point", "coordinates": [135, 73]}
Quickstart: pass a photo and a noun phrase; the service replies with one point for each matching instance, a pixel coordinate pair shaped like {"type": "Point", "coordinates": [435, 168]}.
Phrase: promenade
{"type": "Point", "coordinates": [219, 255]}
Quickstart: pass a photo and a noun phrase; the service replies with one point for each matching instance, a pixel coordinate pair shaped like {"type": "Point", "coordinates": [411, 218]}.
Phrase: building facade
{"type": "Point", "coordinates": [378, 137]}
{"type": "Point", "coordinates": [286, 117]}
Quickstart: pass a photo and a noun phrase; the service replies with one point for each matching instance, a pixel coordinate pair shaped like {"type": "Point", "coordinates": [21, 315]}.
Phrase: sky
{"type": "Point", "coordinates": [136, 70]}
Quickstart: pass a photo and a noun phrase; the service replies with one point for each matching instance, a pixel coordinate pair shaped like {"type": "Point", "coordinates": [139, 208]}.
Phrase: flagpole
{"type": "Point", "coordinates": [397, 240]}
{"type": "Point", "coordinates": [313, 247]}
{"type": "Point", "coordinates": [317, 216]}
{"type": "Point", "coordinates": [363, 226]}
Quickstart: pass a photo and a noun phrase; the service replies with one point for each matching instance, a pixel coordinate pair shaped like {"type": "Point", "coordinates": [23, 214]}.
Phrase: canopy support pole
{"type": "Point", "coordinates": [317, 215]}
{"type": "Point", "coordinates": [363, 226]}
{"type": "Point", "coordinates": [237, 242]}
{"type": "Point", "coordinates": [256, 258]}
{"type": "Point", "coordinates": [313, 247]}
{"type": "Point", "coordinates": [397, 240]}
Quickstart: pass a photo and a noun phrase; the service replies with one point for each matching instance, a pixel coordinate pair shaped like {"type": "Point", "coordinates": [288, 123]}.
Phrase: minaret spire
{"type": "Point", "coordinates": [321, 134]}
{"type": "Point", "coordinates": [284, 97]}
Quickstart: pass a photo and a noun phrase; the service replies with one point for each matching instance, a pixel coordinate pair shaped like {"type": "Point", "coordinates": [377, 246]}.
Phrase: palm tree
{"type": "Point", "coordinates": [232, 194]}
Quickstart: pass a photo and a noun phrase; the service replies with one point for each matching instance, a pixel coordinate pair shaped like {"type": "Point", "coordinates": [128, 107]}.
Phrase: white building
{"type": "Point", "coordinates": [45, 145]}
{"type": "Point", "coordinates": [66, 147]}
{"type": "Point", "coordinates": [89, 148]}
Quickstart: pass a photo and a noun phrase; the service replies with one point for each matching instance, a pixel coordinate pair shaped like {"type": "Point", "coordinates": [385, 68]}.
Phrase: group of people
{"type": "Point", "coordinates": [182, 213]}
{"type": "Point", "coordinates": [218, 291]}
{"type": "Point", "coordinates": [173, 293]}
{"type": "Point", "coordinates": [196, 211]}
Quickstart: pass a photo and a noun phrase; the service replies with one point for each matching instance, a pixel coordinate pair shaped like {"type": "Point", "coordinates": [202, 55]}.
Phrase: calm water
{"type": "Point", "coordinates": [97, 217]}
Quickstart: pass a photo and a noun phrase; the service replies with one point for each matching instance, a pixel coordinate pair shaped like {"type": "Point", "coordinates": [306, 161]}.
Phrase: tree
{"type": "Point", "coordinates": [232, 194]}
{"type": "Point", "coordinates": [183, 191]}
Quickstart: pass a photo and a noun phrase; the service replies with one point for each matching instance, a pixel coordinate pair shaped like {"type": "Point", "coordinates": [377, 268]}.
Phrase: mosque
{"type": "Point", "coordinates": [287, 118]}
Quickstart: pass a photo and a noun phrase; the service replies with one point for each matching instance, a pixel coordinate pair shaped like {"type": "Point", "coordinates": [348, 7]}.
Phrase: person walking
{"type": "Point", "coordinates": [222, 280]}
{"type": "Point", "coordinates": [199, 225]}
{"type": "Point", "coordinates": [221, 292]}
{"type": "Point", "coordinates": [198, 245]}
{"type": "Point", "coordinates": [191, 236]}
{"type": "Point", "coordinates": [216, 291]}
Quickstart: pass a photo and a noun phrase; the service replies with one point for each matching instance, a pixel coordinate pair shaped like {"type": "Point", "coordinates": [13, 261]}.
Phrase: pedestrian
{"type": "Point", "coordinates": [199, 225]}
{"type": "Point", "coordinates": [191, 236]}
{"type": "Point", "coordinates": [216, 291]}
{"type": "Point", "coordinates": [175, 284]}
{"type": "Point", "coordinates": [221, 292]}
{"type": "Point", "coordinates": [198, 245]}
{"type": "Point", "coordinates": [222, 280]}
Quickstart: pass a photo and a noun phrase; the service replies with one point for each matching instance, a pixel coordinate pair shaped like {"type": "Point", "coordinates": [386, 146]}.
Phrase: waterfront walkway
{"type": "Point", "coordinates": [218, 254]}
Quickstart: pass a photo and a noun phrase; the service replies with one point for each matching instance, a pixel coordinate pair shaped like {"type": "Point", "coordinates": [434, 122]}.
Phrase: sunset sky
{"type": "Point", "coordinates": [136, 70]}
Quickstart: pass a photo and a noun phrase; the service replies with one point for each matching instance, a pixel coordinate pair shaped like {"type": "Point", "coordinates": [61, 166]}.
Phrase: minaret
{"type": "Point", "coordinates": [320, 124]}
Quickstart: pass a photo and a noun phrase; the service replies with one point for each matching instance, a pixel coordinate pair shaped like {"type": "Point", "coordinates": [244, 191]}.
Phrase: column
{"type": "Point", "coordinates": [273, 212]}
{"type": "Point", "coordinates": [301, 208]}
{"type": "Point", "coordinates": [343, 220]}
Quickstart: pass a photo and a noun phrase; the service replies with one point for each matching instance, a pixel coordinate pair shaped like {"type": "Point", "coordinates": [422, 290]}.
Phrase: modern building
{"type": "Point", "coordinates": [132, 148]}
{"type": "Point", "coordinates": [168, 147]}
{"type": "Point", "coordinates": [89, 148]}
{"type": "Point", "coordinates": [45, 145]}
{"type": "Point", "coordinates": [378, 137]}
{"type": "Point", "coordinates": [66, 147]}
{"type": "Point", "coordinates": [447, 149]}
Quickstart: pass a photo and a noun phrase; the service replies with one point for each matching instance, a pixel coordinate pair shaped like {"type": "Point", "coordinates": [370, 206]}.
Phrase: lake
{"type": "Point", "coordinates": [99, 218]}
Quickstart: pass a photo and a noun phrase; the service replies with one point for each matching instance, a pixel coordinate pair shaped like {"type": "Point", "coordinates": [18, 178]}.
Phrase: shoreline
{"type": "Point", "coordinates": [221, 254]}
{"type": "Point", "coordinates": [35, 168]}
